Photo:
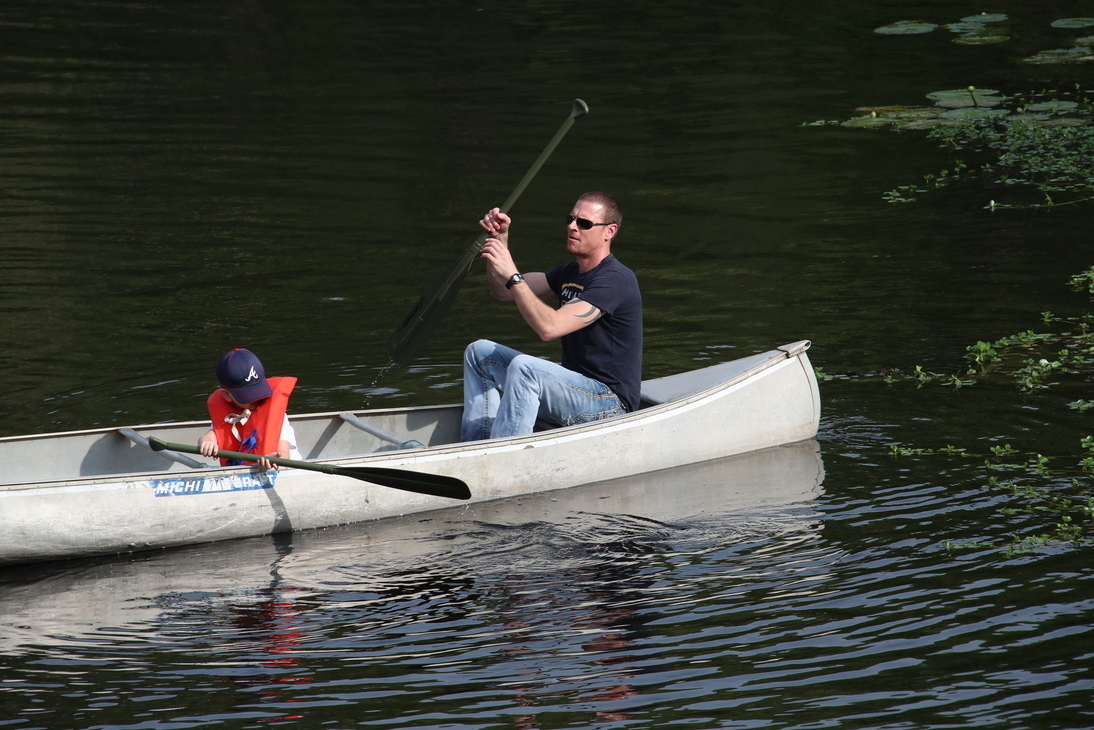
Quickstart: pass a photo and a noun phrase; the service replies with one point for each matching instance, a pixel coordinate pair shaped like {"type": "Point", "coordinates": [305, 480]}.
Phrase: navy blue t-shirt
{"type": "Point", "coordinates": [610, 349]}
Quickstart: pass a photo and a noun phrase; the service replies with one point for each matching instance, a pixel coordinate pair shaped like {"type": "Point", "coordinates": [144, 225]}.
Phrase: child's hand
{"type": "Point", "coordinates": [207, 444]}
{"type": "Point", "coordinates": [267, 465]}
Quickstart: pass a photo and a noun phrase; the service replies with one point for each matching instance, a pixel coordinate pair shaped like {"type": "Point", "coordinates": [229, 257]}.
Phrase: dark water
{"type": "Point", "coordinates": [183, 178]}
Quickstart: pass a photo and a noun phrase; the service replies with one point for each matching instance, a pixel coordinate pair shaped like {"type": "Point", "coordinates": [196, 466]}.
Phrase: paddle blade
{"type": "Point", "coordinates": [433, 484]}
{"type": "Point", "coordinates": [413, 332]}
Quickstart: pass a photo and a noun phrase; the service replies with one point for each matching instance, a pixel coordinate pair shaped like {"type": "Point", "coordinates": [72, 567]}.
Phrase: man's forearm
{"type": "Point", "coordinates": [537, 313]}
{"type": "Point", "coordinates": [497, 285]}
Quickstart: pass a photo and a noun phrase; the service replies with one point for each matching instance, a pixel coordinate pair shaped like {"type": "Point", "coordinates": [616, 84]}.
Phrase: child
{"type": "Point", "coordinates": [248, 412]}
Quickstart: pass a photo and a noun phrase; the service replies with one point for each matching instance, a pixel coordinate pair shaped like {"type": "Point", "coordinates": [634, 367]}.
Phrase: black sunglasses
{"type": "Point", "coordinates": [583, 223]}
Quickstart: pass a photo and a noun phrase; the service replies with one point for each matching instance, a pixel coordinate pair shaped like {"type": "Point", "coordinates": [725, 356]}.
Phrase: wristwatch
{"type": "Point", "coordinates": [514, 279]}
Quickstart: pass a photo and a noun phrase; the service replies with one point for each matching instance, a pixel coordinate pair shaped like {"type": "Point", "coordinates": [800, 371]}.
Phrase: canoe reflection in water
{"type": "Point", "coordinates": [528, 587]}
{"type": "Point", "coordinates": [592, 588]}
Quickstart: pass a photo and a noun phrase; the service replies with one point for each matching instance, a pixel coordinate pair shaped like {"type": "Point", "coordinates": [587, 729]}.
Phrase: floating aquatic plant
{"type": "Point", "coordinates": [973, 29]}
{"type": "Point", "coordinates": [1036, 489]}
{"type": "Point", "coordinates": [978, 30]}
{"type": "Point", "coordinates": [967, 114]}
{"type": "Point", "coordinates": [1040, 140]}
{"type": "Point", "coordinates": [965, 26]}
{"type": "Point", "coordinates": [982, 37]}
{"type": "Point", "coordinates": [906, 27]}
{"type": "Point", "coordinates": [969, 96]}
{"type": "Point", "coordinates": [1072, 23]}
{"type": "Point", "coordinates": [1054, 106]}
{"type": "Point", "coordinates": [1052, 155]}
{"type": "Point", "coordinates": [1032, 361]}
{"type": "Point", "coordinates": [1078, 54]}
{"type": "Point", "coordinates": [1085, 279]}
{"type": "Point", "coordinates": [1048, 500]}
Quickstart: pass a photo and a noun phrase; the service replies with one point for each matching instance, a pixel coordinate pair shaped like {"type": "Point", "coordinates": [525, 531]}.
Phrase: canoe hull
{"type": "Point", "coordinates": [749, 407]}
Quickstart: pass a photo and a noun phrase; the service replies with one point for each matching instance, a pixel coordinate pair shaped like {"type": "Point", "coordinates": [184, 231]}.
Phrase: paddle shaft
{"type": "Point", "coordinates": [414, 330]}
{"type": "Point", "coordinates": [410, 481]}
{"type": "Point", "coordinates": [580, 108]}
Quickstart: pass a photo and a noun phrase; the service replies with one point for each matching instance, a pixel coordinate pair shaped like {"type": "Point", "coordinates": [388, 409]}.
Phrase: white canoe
{"type": "Point", "coordinates": [101, 491]}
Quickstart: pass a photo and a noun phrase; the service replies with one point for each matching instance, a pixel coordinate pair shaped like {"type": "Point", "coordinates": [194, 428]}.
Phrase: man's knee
{"type": "Point", "coordinates": [525, 369]}
{"type": "Point", "coordinates": [478, 350]}
{"type": "Point", "coordinates": [523, 363]}
{"type": "Point", "coordinates": [480, 346]}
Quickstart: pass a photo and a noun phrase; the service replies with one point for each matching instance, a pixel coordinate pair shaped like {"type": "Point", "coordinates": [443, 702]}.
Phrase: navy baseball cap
{"type": "Point", "coordinates": [241, 372]}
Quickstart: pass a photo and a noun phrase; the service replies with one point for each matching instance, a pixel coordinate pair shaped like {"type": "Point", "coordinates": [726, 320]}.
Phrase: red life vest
{"type": "Point", "coordinates": [261, 434]}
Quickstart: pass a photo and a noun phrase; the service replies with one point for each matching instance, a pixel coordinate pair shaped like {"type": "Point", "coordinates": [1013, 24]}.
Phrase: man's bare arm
{"type": "Point", "coordinates": [550, 323]}
{"type": "Point", "coordinates": [537, 280]}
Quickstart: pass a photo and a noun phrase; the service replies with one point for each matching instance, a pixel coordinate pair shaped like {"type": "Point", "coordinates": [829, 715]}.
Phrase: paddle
{"type": "Point", "coordinates": [411, 334]}
{"type": "Point", "coordinates": [410, 481]}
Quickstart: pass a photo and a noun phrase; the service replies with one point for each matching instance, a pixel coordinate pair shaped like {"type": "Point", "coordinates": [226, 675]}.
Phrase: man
{"type": "Point", "coordinates": [599, 321]}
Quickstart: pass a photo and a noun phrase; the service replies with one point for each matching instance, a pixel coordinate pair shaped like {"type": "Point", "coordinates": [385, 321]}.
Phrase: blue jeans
{"type": "Point", "coordinates": [504, 391]}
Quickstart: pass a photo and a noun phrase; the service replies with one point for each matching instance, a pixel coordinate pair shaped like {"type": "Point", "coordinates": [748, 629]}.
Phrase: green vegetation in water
{"type": "Point", "coordinates": [991, 28]}
{"type": "Point", "coordinates": [972, 30]}
{"type": "Point", "coordinates": [906, 27]}
{"type": "Point", "coordinates": [1041, 141]}
{"type": "Point", "coordinates": [1072, 23]}
{"type": "Point", "coordinates": [1048, 500]}
{"type": "Point", "coordinates": [1053, 56]}
{"type": "Point", "coordinates": [1031, 360]}
{"type": "Point", "coordinates": [1030, 141]}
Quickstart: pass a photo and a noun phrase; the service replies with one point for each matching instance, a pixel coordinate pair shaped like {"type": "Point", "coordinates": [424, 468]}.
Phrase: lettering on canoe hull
{"type": "Point", "coordinates": [213, 485]}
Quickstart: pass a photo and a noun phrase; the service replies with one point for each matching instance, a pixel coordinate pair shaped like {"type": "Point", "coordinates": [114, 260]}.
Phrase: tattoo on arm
{"type": "Point", "coordinates": [592, 312]}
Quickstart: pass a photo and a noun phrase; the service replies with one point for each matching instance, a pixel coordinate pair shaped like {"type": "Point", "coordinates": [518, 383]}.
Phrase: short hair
{"type": "Point", "coordinates": [612, 213]}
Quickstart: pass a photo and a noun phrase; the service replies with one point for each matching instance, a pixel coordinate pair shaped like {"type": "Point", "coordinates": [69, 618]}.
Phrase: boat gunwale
{"type": "Point", "coordinates": [205, 422]}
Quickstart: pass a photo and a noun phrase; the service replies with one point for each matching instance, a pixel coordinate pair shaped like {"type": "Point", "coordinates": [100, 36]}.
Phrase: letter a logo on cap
{"type": "Point", "coordinates": [243, 375]}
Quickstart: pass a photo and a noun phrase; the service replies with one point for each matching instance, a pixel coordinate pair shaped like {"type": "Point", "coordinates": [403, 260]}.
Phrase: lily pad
{"type": "Point", "coordinates": [881, 109]}
{"type": "Point", "coordinates": [967, 113]}
{"type": "Point", "coordinates": [912, 115]}
{"type": "Point", "coordinates": [906, 27]}
{"type": "Point", "coordinates": [986, 18]}
{"type": "Point", "coordinates": [867, 122]}
{"type": "Point", "coordinates": [1053, 106]}
{"type": "Point", "coordinates": [983, 37]}
{"type": "Point", "coordinates": [924, 123]}
{"type": "Point", "coordinates": [894, 116]}
{"type": "Point", "coordinates": [957, 98]}
{"type": "Point", "coordinates": [1061, 55]}
{"type": "Point", "coordinates": [1066, 122]}
{"type": "Point", "coordinates": [1073, 23]}
{"type": "Point", "coordinates": [1029, 118]}
{"type": "Point", "coordinates": [918, 118]}
{"type": "Point", "coordinates": [964, 27]}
